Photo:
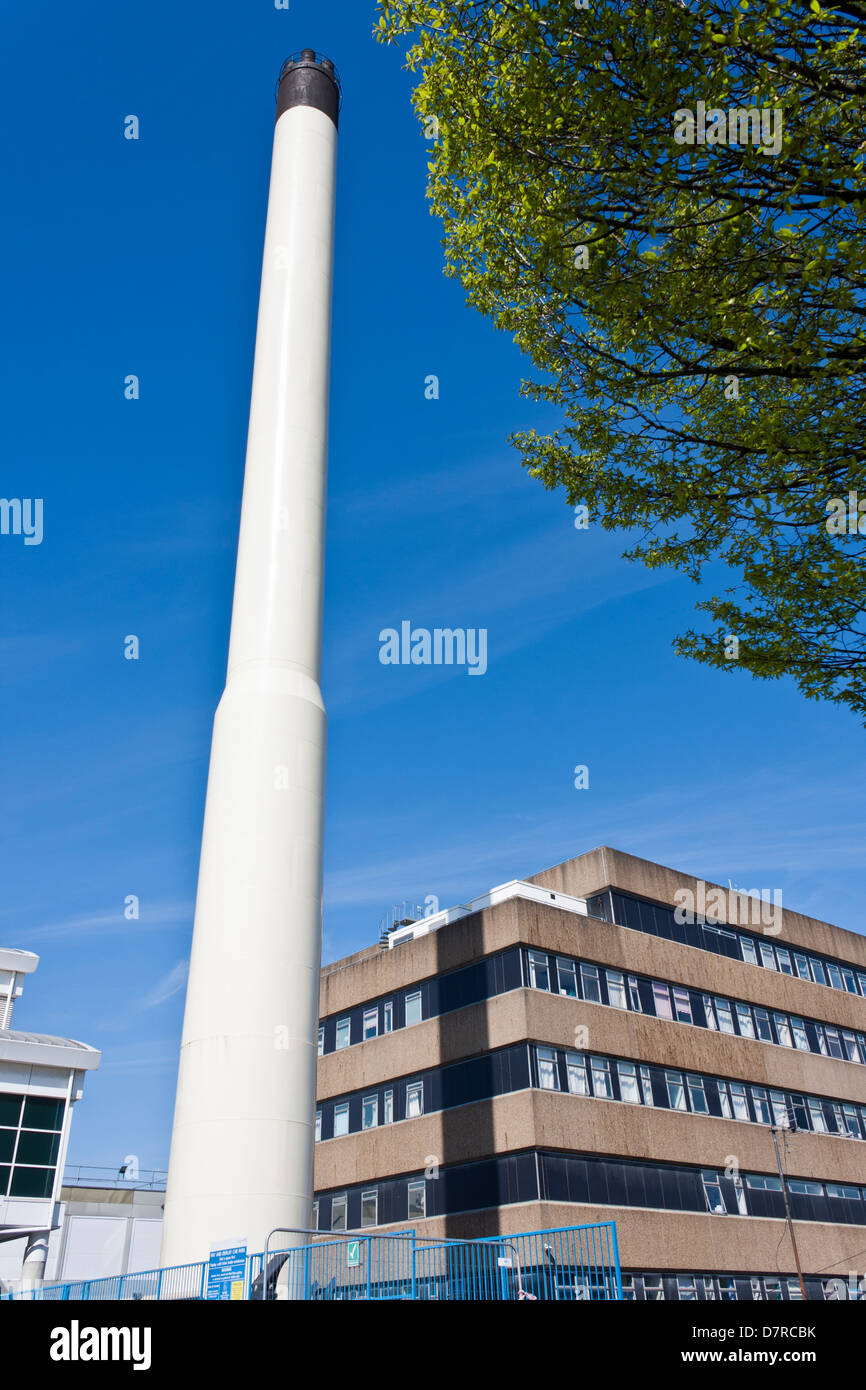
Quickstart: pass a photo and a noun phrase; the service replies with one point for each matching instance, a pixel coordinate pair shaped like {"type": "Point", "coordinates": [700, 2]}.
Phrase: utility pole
{"type": "Point", "coordinates": [773, 1129]}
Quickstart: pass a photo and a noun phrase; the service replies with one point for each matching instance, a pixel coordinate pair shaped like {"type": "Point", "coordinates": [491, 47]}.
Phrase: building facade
{"type": "Point", "coordinates": [610, 1039]}
{"type": "Point", "coordinates": [41, 1080]}
{"type": "Point", "coordinates": [111, 1224]}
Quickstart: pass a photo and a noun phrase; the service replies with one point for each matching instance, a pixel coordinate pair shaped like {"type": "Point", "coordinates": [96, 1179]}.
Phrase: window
{"type": "Point", "coordinates": [628, 1086]}
{"type": "Point", "coordinates": [634, 995]}
{"type": "Point", "coordinates": [744, 1019]}
{"type": "Point", "coordinates": [370, 1112]}
{"type": "Point", "coordinates": [713, 1193]}
{"type": "Point", "coordinates": [852, 1124]}
{"type": "Point", "coordinates": [341, 1119]}
{"type": "Point", "coordinates": [318, 1125]}
{"type": "Point", "coordinates": [851, 1194]}
{"type": "Point", "coordinates": [835, 977]}
{"type": "Point", "coordinates": [750, 955]}
{"type": "Point", "coordinates": [710, 1011]}
{"type": "Point", "coordinates": [370, 1207]}
{"type": "Point", "coordinates": [739, 1192]}
{"type": "Point", "coordinates": [774, 1290]}
{"type": "Point", "coordinates": [566, 974]}
{"type": "Point", "coordinates": [589, 984]}
{"type": "Point", "coordinates": [768, 960]}
{"type": "Point", "coordinates": [762, 1109]}
{"type": "Point", "coordinates": [616, 990]}
{"type": "Point", "coordinates": [547, 1076]}
{"type": "Point", "coordinates": [315, 1216]}
{"type": "Point", "coordinates": [628, 1289]}
{"type": "Point", "coordinates": [682, 1005]}
{"type": "Point", "coordinates": [725, 1016]}
{"type": "Point", "coordinates": [414, 1100]}
{"type": "Point", "coordinates": [762, 1025]}
{"type": "Point", "coordinates": [388, 1017]}
{"type": "Point", "coordinates": [783, 1030]}
{"type": "Point", "coordinates": [686, 1290]}
{"type": "Point", "coordinates": [809, 1189]}
{"type": "Point", "coordinates": [850, 982]}
{"type": "Point", "coordinates": [822, 1040]}
{"type": "Point", "coordinates": [834, 1044]}
{"type": "Point", "coordinates": [784, 960]}
{"type": "Point", "coordinates": [339, 1209]}
{"type": "Point", "coordinates": [738, 1101]}
{"type": "Point", "coordinates": [661, 995]}
{"type": "Point", "coordinates": [575, 1066]}
{"type": "Point", "coordinates": [816, 1115]}
{"type": "Point", "coordinates": [539, 973]}
{"type": "Point", "coordinates": [388, 1116]}
{"type": "Point", "coordinates": [765, 1184]}
{"type": "Point", "coordinates": [862, 982]}
{"type": "Point", "coordinates": [798, 1028]}
{"type": "Point", "coordinates": [646, 1086]}
{"type": "Point", "coordinates": [851, 1047]}
{"type": "Point", "coordinates": [321, 1045]}
{"type": "Point", "coordinates": [601, 1083]}
{"type": "Point", "coordinates": [344, 1027]}
{"type": "Point", "coordinates": [413, 1008]}
{"type": "Point", "coordinates": [654, 1289]}
{"type": "Point", "coordinates": [817, 971]}
{"type": "Point", "coordinates": [724, 1100]}
{"type": "Point", "coordinates": [371, 1023]}
{"type": "Point", "coordinates": [676, 1090]}
{"type": "Point", "coordinates": [697, 1096]}
{"type": "Point", "coordinates": [728, 1290]}
{"type": "Point", "coordinates": [780, 1110]}
{"type": "Point", "coordinates": [802, 966]}
{"type": "Point", "coordinates": [417, 1199]}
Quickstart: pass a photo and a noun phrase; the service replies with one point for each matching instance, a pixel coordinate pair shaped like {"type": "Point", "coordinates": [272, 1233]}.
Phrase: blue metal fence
{"type": "Point", "coordinates": [568, 1263]}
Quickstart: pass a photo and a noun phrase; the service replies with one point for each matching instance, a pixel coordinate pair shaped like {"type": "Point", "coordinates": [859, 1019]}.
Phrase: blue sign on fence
{"type": "Point", "coordinates": [225, 1273]}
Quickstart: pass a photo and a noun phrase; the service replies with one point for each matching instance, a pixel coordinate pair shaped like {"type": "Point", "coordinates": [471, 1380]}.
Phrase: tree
{"type": "Point", "coordinates": [663, 202]}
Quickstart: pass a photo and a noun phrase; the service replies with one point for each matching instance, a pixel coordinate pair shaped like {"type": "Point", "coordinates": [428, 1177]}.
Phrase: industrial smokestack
{"type": "Point", "coordinates": [242, 1146]}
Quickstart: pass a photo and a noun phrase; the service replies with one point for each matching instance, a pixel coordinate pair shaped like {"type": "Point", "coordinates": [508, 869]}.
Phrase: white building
{"type": "Point", "coordinates": [41, 1078]}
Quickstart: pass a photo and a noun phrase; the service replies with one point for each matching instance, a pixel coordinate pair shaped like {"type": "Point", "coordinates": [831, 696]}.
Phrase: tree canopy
{"type": "Point", "coordinates": [663, 203]}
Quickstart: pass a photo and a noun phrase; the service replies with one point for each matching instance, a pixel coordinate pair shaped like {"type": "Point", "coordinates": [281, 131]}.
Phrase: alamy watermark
{"type": "Point", "coordinates": [846, 517]}
{"type": "Point", "coordinates": [22, 516]}
{"type": "Point", "coordinates": [741, 125]}
{"type": "Point", "coordinates": [760, 907]}
{"type": "Point", "coordinates": [443, 646]}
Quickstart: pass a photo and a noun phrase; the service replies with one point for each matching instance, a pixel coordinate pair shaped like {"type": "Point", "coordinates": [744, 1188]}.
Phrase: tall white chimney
{"type": "Point", "coordinates": [242, 1145]}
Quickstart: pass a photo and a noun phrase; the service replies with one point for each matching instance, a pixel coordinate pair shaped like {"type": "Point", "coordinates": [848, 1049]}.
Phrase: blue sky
{"type": "Point", "coordinates": [144, 257]}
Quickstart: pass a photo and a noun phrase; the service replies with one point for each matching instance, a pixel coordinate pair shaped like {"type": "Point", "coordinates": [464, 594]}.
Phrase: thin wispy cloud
{"type": "Point", "coordinates": [165, 989]}
{"type": "Point", "coordinates": [787, 847]}
{"type": "Point", "coordinates": [103, 922]}
{"type": "Point", "coordinates": [520, 592]}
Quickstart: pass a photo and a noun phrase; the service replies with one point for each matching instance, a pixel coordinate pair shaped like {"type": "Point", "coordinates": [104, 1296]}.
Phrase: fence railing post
{"type": "Point", "coordinates": [414, 1256]}
{"type": "Point", "coordinates": [615, 1252]}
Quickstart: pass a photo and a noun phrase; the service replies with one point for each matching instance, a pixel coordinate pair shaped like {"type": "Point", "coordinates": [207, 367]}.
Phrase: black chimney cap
{"type": "Point", "coordinates": [309, 79]}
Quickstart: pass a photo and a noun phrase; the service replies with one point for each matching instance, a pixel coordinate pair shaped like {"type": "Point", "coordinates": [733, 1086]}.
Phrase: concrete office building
{"type": "Point", "coordinates": [568, 1049]}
